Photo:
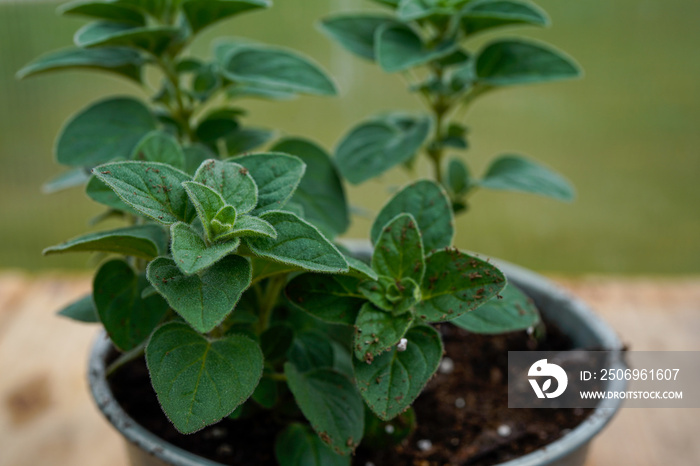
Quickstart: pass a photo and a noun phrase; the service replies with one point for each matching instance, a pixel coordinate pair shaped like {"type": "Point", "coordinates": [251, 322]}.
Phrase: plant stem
{"type": "Point", "coordinates": [269, 300]}
{"type": "Point", "coordinates": [440, 108]}
{"type": "Point", "coordinates": [182, 113]}
{"type": "Point", "coordinates": [436, 152]}
{"type": "Point", "coordinates": [276, 377]}
{"type": "Point", "coordinates": [126, 358]}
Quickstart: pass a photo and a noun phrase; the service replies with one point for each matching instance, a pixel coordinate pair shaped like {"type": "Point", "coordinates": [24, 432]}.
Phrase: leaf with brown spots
{"type": "Point", "coordinates": [331, 298]}
{"type": "Point", "coordinates": [456, 283]}
{"type": "Point", "coordinates": [510, 311]}
{"type": "Point", "coordinates": [331, 403]}
{"type": "Point", "coordinates": [399, 250]}
{"type": "Point", "coordinates": [429, 205]}
{"type": "Point", "coordinates": [153, 189]}
{"type": "Point", "coordinates": [298, 445]}
{"type": "Point", "coordinates": [395, 379]}
{"type": "Point", "coordinates": [232, 181]}
{"type": "Point", "coordinates": [377, 331]}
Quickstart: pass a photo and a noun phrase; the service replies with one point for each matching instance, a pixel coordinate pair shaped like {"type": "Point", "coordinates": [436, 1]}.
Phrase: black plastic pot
{"type": "Point", "coordinates": [572, 316]}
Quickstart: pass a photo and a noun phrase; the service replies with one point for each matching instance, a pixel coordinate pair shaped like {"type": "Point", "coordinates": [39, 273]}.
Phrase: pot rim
{"type": "Point", "coordinates": [574, 440]}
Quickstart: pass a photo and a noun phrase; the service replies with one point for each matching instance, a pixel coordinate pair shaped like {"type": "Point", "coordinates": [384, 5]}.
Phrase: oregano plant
{"type": "Point", "coordinates": [430, 44]}
{"type": "Point", "coordinates": [227, 277]}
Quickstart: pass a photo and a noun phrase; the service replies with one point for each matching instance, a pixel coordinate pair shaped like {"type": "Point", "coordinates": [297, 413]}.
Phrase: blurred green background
{"type": "Point", "coordinates": [628, 135]}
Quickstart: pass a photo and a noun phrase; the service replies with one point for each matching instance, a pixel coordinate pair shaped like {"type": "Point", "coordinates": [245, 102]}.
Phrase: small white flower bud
{"type": "Point", "coordinates": [504, 430]}
{"type": "Point", "coordinates": [447, 365]}
{"type": "Point", "coordinates": [424, 445]}
{"type": "Point", "coordinates": [402, 345]}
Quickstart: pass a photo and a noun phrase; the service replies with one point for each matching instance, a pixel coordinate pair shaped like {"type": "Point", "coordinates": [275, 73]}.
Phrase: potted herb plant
{"type": "Point", "coordinates": [226, 297]}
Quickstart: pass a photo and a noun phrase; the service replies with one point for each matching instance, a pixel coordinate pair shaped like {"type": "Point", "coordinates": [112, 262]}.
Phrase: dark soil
{"type": "Point", "coordinates": [459, 413]}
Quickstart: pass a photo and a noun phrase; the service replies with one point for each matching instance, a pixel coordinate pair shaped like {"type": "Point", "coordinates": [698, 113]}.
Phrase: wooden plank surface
{"type": "Point", "coordinates": [47, 416]}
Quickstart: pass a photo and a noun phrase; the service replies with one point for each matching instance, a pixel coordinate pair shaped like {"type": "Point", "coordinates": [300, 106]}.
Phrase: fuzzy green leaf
{"type": "Point", "coordinates": [331, 298]}
{"type": "Point", "coordinates": [200, 381]}
{"type": "Point", "coordinates": [395, 379]}
{"type": "Point", "coordinates": [203, 299]}
{"type": "Point", "coordinates": [320, 192]}
{"type": "Point", "coordinates": [152, 39]}
{"type": "Point", "coordinates": [263, 268]}
{"type": "Point", "coordinates": [311, 349]}
{"type": "Point", "coordinates": [297, 445]}
{"type": "Point", "coordinates": [456, 283]}
{"type": "Point", "coordinates": [356, 32]}
{"type": "Point", "coordinates": [332, 405]}
{"type": "Point", "coordinates": [152, 188]}
{"type": "Point", "coordinates": [377, 331]}
{"type": "Point", "coordinates": [487, 14]}
{"type": "Point", "coordinates": [413, 10]}
{"type": "Point", "coordinates": [512, 310]}
{"type": "Point", "coordinates": [378, 144]}
{"type": "Point", "coordinates": [458, 179]}
{"type": "Point", "coordinates": [455, 137]}
{"type": "Point", "coordinates": [276, 175]}
{"type": "Point", "coordinates": [145, 241]}
{"type": "Point", "coordinates": [158, 146]}
{"type": "Point", "coordinates": [222, 224]}
{"type": "Point", "coordinates": [508, 62]}
{"type": "Point", "coordinates": [244, 140]}
{"type": "Point", "coordinates": [127, 318]}
{"type": "Point", "coordinates": [68, 179]}
{"type": "Point", "coordinates": [206, 81]}
{"type": "Point", "coordinates": [515, 173]}
{"type": "Point", "coordinates": [203, 13]}
{"type": "Point", "coordinates": [277, 69]}
{"type": "Point", "coordinates": [82, 310]}
{"type": "Point", "coordinates": [266, 394]}
{"type": "Point", "coordinates": [428, 203]}
{"type": "Point", "coordinates": [102, 10]}
{"type": "Point", "coordinates": [298, 210]}
{"type": "Point", "coordinates": [249, 226]}
{"type": "Point", "coordinates": [218, 124]}
{"type": "Point", "coordinates": [298, 243]}
{"type": "Point", "coordinates": [257, 91]}
{"type": "Point", "coordinates": [207, 202]}
{"type": "Point", "coordinates": [276, 341]}
{"type": "Point", "coordinates": [106, 130]}
{"type": "Point", "coordinates": [399, 250]}
{"type": "Point", "coordinates": [191, 253]}
{"type": "Point", "coordinates": [195, 155]}
{"type": "Point", "coordinates": [392, 295]}
{"type": "Point", "coordinates": [399, 48]}
{"type": "Point", "coordinates": [233, 181]}
{"type": "Point", "coordinates": [120, 60]}
{"type": "Point", "coordinates": [223, 48]}
{"type": "Point", "coordinates": [359, 269]}
{"type": "Point", "coordinates": [98, 191]}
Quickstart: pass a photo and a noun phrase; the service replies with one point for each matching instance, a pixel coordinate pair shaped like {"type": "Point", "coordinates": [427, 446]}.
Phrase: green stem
{"type": "Point", "coordinates": [268, 301]}
{"type": "Point", "coordinates": [441, 108]}
{"type": "Point", "coordinates": [436, 151]}
{"type": "Point", "coordinates": [276, 377]}
{"type": "Point", "coordinates": [181, 113]}
{"type": "Point", "coordinates": [126, 358]}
